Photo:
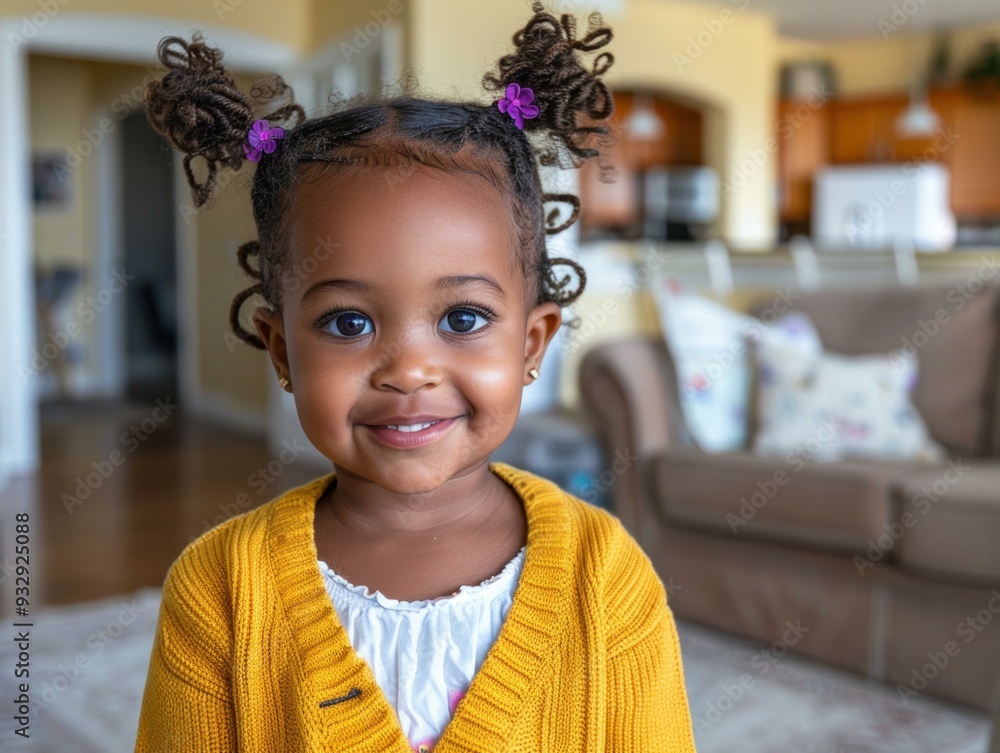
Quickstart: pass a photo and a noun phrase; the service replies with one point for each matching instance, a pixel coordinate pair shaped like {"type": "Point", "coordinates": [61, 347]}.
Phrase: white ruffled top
{"type": "Point", "coordinates": [424, 654]}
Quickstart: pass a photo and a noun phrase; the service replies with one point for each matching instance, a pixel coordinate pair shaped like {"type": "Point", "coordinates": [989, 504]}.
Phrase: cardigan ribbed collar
{"type": "Point", "coordinates": [331, 668]}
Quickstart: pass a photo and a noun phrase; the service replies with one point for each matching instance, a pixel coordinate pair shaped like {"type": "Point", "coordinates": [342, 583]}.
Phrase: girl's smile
{"type": "Point", "coordinates": [414, 431]}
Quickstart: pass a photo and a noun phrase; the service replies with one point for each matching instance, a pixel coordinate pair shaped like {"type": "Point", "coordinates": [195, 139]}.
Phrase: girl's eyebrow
{"type": "Point", "coordinates": [455, 281]}
{"type": "Point", "coordinates": [319, 287]}
{"type": "Point", "coordinates": [443, 283]}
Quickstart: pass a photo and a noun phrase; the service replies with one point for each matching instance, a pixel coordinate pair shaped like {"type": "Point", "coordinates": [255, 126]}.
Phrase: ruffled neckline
{"type": "Point", "coordinates": [464, 593]}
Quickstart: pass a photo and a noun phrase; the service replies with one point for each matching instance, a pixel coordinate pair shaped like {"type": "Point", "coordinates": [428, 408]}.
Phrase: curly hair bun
{"type": "Point", "coordinates": [198, 108]}
{"type": "Point", "coordinates": [548, 60]}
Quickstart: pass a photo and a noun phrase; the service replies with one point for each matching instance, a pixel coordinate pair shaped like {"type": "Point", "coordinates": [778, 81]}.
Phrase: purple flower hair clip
{"type": "Point", "coordinates": [517, 103]}
{"type": "Point", "coordinates": [261, 138]}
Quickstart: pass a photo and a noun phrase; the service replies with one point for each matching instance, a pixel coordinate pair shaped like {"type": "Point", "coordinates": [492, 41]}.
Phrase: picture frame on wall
{"type": "Point", "coordinates": [49, 188]}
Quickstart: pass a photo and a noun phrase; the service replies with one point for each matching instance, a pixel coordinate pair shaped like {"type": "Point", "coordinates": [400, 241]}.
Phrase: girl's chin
{"type": "Point", "coordinates": [414, 477]}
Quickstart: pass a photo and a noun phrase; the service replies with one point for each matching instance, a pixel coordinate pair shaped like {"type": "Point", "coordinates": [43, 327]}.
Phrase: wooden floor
{"type": "Point", "coordinates": [124, 487]}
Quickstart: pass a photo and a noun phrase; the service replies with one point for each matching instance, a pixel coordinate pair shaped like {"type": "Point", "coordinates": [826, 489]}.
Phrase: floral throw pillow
{"type": "Point", "coordinates": [832, 407]}
{"type": "Point", "coordinates": [711, 347]}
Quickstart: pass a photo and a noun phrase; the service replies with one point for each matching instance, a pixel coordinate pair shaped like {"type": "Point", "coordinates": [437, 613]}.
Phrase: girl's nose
{"type": "Point", "coordinates": [406, 367]}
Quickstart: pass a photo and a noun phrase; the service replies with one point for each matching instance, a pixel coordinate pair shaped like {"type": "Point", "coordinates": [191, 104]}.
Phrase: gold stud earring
{"type": "Point", "coordinates": [284, 382]}
{"type": "Point", "coordinates": [533, 373]}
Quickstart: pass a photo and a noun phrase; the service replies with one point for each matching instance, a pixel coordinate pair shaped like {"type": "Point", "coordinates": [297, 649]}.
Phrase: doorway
{"type": "Point", "coordinates": [149, 259]}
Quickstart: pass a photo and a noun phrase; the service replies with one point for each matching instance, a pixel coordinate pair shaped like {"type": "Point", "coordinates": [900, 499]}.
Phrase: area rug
{"type": "Point", "coordinates": [88, 670]}
{"type": "Point", "coordinates": [745, 699]}
{"type": "Point", "coordinates": [88, 667]}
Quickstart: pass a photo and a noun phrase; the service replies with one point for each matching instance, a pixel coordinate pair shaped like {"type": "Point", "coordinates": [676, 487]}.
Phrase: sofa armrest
{"type": "Point", "coordinates": [628, 389]}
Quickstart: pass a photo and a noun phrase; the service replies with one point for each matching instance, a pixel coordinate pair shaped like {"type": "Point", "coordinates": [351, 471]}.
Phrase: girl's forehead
{"type": "Point", "coordinates": [414, 219]}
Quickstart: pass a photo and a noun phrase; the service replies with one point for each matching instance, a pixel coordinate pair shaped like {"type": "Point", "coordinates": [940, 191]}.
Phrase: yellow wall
{"type": "Point", "coordinates": [61, 109]}
{"type": "Point", "coordinates": [287, 21]}
{"type": "Point", "coordinates": [60, 105]}
{"type": "Point", "coordinates": [733, 74]}
{"type": "Point", "coordinates": [355, 22]}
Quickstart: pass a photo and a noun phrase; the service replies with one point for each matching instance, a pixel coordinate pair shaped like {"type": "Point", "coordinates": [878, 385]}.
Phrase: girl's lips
{"type": "Point", "coordinates": [406, 440]}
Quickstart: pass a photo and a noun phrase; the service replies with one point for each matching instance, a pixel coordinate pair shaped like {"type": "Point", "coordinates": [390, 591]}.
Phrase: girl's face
{"type": "Point", "coordinates": [403, 306]}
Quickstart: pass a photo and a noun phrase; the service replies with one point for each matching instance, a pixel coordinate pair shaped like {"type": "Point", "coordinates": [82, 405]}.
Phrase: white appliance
{"type": "Point", "coordinates": [880, 206]}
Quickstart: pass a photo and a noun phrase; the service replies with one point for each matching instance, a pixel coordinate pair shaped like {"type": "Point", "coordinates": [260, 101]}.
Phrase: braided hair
{"type": "Point", "coordinates": [200, 111]}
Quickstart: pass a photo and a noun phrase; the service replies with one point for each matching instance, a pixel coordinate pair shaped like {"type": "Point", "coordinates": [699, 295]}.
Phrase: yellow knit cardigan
{"type": "Point", "coordinates": [249, 653]}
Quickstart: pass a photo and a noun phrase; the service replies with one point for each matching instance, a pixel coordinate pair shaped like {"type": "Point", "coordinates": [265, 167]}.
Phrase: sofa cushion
{"type": "Point", "coordinates": [838, 506]}
{"type": "Point", "coordinates": [950, 522]}
{"type": "Point", "coordinates": [858, 405]}
{"type": "Point", "coordinates": [952, 332]}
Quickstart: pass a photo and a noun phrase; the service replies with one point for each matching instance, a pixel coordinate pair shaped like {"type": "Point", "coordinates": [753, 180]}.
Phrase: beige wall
{"type": "Point", "coordinates": [357, 20]}
{"type": "Point", "coordinates": [731, 72]}
{"type": "Point", "coordinates": [288, 21]}
{"type": "Point", "coordinates": [61, 109]}
{"type": "Point", "coordinates": [61, 96]}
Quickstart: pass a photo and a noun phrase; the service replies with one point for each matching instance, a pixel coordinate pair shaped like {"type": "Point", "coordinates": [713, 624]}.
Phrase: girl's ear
{"type": "Point", "coordinates": [271, 331]}
{"type": "Point", "coordinates": [543, 322]}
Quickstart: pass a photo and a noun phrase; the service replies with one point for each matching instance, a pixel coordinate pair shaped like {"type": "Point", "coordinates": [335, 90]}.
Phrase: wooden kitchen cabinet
{"type": "Point", "coordinates": [804, 134]}
{"type": "Point", "coordinates": [974, 158]}
{"type": "Point", "coordinates": [861, 130]}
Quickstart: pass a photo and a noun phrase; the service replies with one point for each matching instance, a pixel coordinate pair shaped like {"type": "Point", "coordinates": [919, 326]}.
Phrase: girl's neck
{"type": "Point", "coordinates": [413, 547]}
{"type": "Point", "coordinates": [464, 502]}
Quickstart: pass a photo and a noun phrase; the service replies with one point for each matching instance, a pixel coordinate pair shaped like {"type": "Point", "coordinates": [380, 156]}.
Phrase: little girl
{"type": "Point", "coordinates": [418, 596]}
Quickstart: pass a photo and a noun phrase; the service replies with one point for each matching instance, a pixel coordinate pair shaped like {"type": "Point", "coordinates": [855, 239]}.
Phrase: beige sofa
{"type": "Point", "coordinates": [890, 570]}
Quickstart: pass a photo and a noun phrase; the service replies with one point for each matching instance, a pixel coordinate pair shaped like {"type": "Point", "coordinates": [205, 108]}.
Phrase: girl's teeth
{"type": "Point", "coordinates": [408, 428]}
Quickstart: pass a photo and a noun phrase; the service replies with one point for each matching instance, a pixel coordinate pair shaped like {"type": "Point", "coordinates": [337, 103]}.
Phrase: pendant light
{"type": "Point", "coordinates": [918, 119]}
{"type": "Point", "coordinates": [643, 124]}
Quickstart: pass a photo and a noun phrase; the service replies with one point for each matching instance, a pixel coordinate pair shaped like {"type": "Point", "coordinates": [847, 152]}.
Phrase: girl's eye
{"type": "Point", "coordinates": [463, 321]}
{"type": "Point", "coordinates": [350, 324]}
